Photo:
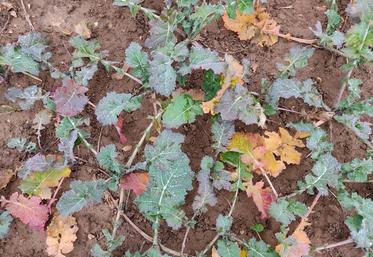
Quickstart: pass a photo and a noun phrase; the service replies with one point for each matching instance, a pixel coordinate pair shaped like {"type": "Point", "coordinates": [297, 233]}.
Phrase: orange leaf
{"type": "Point", "coordinates": [137, 182]}
{"type": "Point", "coordinates": [262, 197]}
{"type": "Point", "coordinates": [214, 252]}
{"type": "Point", "coordinates": [299, 243]}
{"type": "Point", "coordinates": [258, 26]}
{"type": "Point", "coordinates": [283, 145]}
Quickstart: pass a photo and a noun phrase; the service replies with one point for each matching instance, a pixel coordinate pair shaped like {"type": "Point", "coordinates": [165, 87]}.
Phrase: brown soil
{"type": "Point", "coordinates": [115, 29]}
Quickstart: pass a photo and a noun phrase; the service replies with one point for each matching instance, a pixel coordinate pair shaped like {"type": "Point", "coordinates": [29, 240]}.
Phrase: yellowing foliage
{"type": "Point", "coordinates": [283, 145]}
{"type": "Point", "coordinates": [258, 25]}
{"type": "Point", "coordinates": [233, 75]}
{"type": "Point", "coordinates": [261, 152]}
{"type": "Point", "coordinates": [61, 234]}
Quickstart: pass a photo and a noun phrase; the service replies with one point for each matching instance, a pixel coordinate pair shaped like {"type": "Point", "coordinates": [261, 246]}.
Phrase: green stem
{"type": "Point", "coordinates": [128, 165]}
{"type": "Point", "coordinates": [85, 142]}
{"type": "Point", "coordinates": [235, 198]}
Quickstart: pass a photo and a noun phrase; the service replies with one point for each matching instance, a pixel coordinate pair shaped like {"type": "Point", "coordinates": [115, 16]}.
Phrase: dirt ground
{"type": "Point", "coordinates": [116, 29]}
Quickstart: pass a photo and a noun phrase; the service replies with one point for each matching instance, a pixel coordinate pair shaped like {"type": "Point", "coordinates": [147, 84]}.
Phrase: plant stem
{"type": "Point", "coordinates": [270, 184]}
{"type": "Point", "coordinates": [343, 88]}
{"type": "Point", "coordinates": [288, 110]}
{"type": "Point", "coordinates": [351, 181]}
{"type": "Point", "coordinates": [235, 198]}
{"type": "Point", "coordinates": [128, 164]}
{"type": "Point", "coordinates": [187, 233]}
{"type": "Point", "coordinates": [149, 238]}
{"type": "Point", "coordinates": [87, 144]}
{"type": "Point", "coordinates": [328, 246]}
{"type": "Point", "coordinates": [32, 76]}
{"type": "Point", "coordinates": [119, 212]}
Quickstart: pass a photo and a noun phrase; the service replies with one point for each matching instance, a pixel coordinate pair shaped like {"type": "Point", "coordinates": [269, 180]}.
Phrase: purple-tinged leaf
{"type": "Point", "coordinates": [66, 146]}
{"type": "Point", "coordinates": [70, 98]}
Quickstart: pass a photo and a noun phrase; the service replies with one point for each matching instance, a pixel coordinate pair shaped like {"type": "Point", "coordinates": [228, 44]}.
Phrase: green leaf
{"type": "Point", "coordinates": [85, 74]}
{"type": "Point", "coordinates": [161, 32]}
{"type": "Point", "coordinates": [239, 103]}
{"type": "Point", "coordinates": [97, 251]}
{"type": "Point", "coordinates": [178, 52]}
{"type": "Point", "coordinates": [25, 97]}
{"type": "Point", "coordinates": [333, 21]}
{"type": "Point", "coordinates": [21, 145]}
{"type": "Point", "coordinates": [203, 58]}
{"type": "Point", "coordinates": [360, 128]}
{"type": "Point", "coordinates": [138, 61]}
{"type": "Point", "coordinates": [358, 170]}
{"type": "Point", "coordinates": [222, 132]}
{"type": "Point", "coordinates": [297, 59]}
{"type": "Point", "coordinates": [35, 45]}
{"type": "Point", "coordinates": [82, 194]}
{"type": "Point", "coordinates": [223, 224]}
{"type": "Point", "coordinates": [170, 177]}
{"type": "Point", "coordinates": [205, 194]}
{"type": "Point", "coordinates": [287, 88]}
{"type": "Point", "coordinates": [66, 146]}
{"type": "Point", "coordinates": [359, 40]}
{"type": "Point", "coordinates": [245, 6]}
{"type": "Point", "coordinates": [259, 249]}
{"type": "Point", "coordinates": [67, 125]}
{"type": "Point", "coordinates": [317, 142]}
{"type": "Point", "coordinates": [361, 224]}
{"type": "Point", "coordinates": [109, 107]}
{"type": "Point", "coordinates": [211, 84]}
{"type": "Point", "coordinates": [85, 49]}
{"type": "Point", "coordinates": [284, 211]}
{"type": "Point", "coordinates": [325, 172]}
{"type": "Point", "coordinates": [183, 109]}
{"type": "Point", "coordinates": [107, 158]}
{"type": "Point", "coordinates": [162, 75]}
{"type": "Point", "coordinates": [228, 249]}
{"type": "Point", "coordinates": [257, 227]}
{"type": "Point", "coordinates": [203, 15]}
{"type": "Point", "coordinates": [18, 61]}
{"type": "Point", "coordinates": [5, 221]}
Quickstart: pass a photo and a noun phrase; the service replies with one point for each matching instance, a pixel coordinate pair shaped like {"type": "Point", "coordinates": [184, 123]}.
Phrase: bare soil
{"type": "Point", "coordinates": [115, 29]}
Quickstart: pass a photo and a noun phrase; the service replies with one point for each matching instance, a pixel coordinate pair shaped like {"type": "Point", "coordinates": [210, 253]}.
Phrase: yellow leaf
{"type": "Point", "coordinates": [258, 26]}
{"type": "Point", "coordinates": [214, 252]}
{"type": "Point", "coordinates": [243, 253]}
{"type": "Point", "coordinates": [232, 76]}
{"type": "Point", "coordinates": [245, 142]}
{"type": "Point", "coordinates": [61, 234]}
{"type": "Point", "coordinates": [283, 145]}
{"type": "Point", "coordinates": [40, 182]}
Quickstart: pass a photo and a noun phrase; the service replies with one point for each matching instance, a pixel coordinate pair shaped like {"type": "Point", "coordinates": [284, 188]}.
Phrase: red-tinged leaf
{"type": "Point", "coordinates": [70, 98]}
{"type": "Point", "coordinates": [137, 182]}
{"type": "Point", "coordinates": [123, 139]}
{"type": "Point", "coordinates": [263, 197]}
{"type": "Point", "coordinates": [29, 210]}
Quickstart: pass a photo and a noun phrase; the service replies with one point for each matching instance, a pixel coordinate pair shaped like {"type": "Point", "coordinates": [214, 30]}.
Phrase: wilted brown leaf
{"type": "Point", "coordinates": [5, 176]}
{"type": "Point", "coordinates": [61, 234]}
{"type": "Point", "coordinates": [82, 29]}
